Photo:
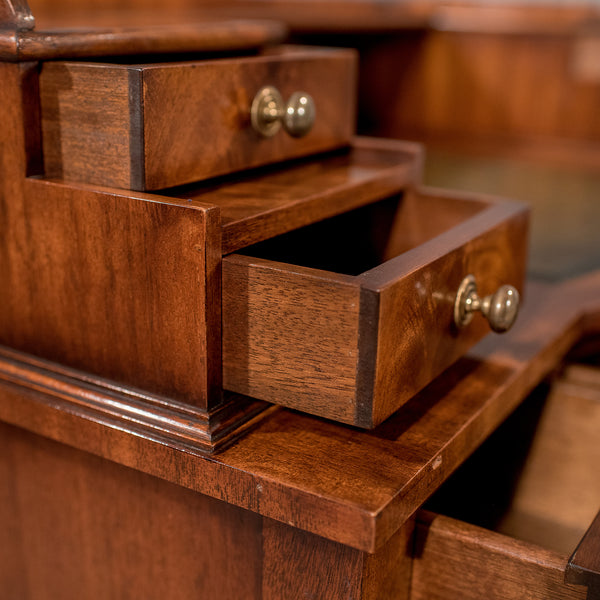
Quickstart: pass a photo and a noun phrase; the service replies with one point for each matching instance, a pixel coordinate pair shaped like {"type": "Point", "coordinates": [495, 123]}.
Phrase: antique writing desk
{"type": "Point", "coordinates": [231, 362]}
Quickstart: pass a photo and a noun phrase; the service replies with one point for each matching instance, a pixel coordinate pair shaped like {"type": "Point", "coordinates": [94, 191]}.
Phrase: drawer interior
{"type": "Point", "coordinates": [536, 479]}
{"type": "Point", "coordinates": [362, 239]}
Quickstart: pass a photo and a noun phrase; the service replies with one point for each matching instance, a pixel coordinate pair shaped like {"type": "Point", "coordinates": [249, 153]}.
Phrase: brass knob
{"type": "Point", "coordinates": [500, 308]}
{"type": "Point", "coordinates": [299, 114]}
{"type": "Point", "coordinates": [268, 113]}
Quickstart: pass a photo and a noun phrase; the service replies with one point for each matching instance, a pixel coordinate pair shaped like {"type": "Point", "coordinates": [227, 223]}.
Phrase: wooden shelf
{"type": "Point", "coordinates": [261, 204]}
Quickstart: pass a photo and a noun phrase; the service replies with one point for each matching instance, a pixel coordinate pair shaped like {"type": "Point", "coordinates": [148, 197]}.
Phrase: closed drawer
{"type": "Point", "coordinates": [350, 317]}
{"type": "Point", "coordinates": [520, 506]}
{"type": "Point", "coordinates": [153, 126]}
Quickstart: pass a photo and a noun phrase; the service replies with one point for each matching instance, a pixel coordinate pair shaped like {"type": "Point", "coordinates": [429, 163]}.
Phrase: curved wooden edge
{"type": "Point", "coordinates": [583, 567]}
{"type": "Point", "coordinates": [205, 37]}
{"type": "Point", "coordinates": [16, 15]}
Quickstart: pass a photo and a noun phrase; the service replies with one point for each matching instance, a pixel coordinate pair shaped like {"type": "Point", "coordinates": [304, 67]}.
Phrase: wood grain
{"type": "Point", "coordinates": [72, 135]}
{"type": "Point", "coordinates": [416, 338]}
{"type": "Point", "coordinates": [92, 41]}
{"type": "Point", "coordinates": [557, 493]}
{"type": "Point", "coordinates": [454, 560]}
{"type": "Point", "coordinates": [161, 116]}
{"type": "Point", "coordinates": [136, 323]}
{"type": "Point", "coordinates": [76, 526]}
{"type": "Point", "coordinates": [353, 346]}
{"type": "Point", "coordinates": [266, 203]}
{"type": "Point", "coordinates": [290, 336]}
{"type": "Point", "coordinates": [297, 564]}
{"type": "Point", "coordinates": [353, 487]}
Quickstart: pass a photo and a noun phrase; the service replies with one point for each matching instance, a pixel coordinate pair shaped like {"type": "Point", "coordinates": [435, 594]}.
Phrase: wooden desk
{"type": "Point", "coordinates": [110, 491]}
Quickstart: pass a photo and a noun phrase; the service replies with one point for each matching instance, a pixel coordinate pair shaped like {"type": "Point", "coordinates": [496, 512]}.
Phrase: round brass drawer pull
{"type": "Point", "coordinates": [268, 113]}
{"type": "Point", "coordinates": [499, 308]}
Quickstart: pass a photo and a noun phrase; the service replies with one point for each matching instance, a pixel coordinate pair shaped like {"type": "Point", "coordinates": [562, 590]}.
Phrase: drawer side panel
{"type": "Point", "coordinates": [290, 336]}
{"type": "Point", "coordinates": [86, 123]}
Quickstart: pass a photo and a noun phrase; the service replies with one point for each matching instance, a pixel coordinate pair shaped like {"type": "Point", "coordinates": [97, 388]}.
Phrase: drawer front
{"type": "Point", "coordinates": [412, 300]}
{"type": "Point", "coordinates": [354, 347]}
{"type": "Point", "coordinates": [148, 127]}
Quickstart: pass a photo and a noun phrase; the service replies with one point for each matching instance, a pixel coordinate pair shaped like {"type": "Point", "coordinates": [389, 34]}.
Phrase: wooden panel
{"type": "Point", "coordinates": [301, 565]}
{"type": "Point", "coordinates": [147, 266]}
{"type": "Point", "coordinates": [86, 121]}
{"type": "Point", "coordinates": [454, 560]}
{"type": "Point", "coordinates": [181, 122]}
{"type": "Point", "coordinates": [263, 204]}
{"type": "Point", "coordinates": [388, 572]}
{"type": "Point", "coordinates": [310, 340]}
{"type": "Point", "coordinates": [196, 119]}
{"type": "Point", "coordinates": [297, 564]}
{"type": "Point", "coordinates": [290, 335]}
{"type": "Point", "coordinates": [76, 526]}
{"type": "Point", "coordinates": [557, 493]}
{"type": "Point", "coordinates": [354, 487]}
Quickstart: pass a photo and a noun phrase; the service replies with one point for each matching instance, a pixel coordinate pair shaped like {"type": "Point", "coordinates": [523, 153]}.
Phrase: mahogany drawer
{"type": "Point", "coordinates": [521, 506]}
{"type": "Point", "coordinates": [153, 126]}
{"type": "Point", "coordinates": [349, 318]}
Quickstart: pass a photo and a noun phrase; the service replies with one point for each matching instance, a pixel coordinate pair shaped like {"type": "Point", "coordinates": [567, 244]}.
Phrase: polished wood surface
{"type": "Point", "coordinates": [456, 561]}
{"type": "Point", "coordinates": [584, 565]}
{"type": "Point", "coordinates": [16, 15]}
{"type": "Point", "coordinates": [557, 493]}
{"type": "Point", "coordinates": [103, 478]}
{"type": "Point", "coordinates": [353, 487]}
{"type": "Point", "coordinates": [226, 36]}
{"type": "Point", "coordinates": [90, 528]}
{"type": "Point", "coordinates": [75, 526]}
{"type": "Point", "coordinates": [535, 481]}
{"type": "Point", "coordinates": [134, 309]}
{"type": "Point", "coordinates": [266, 203]}
{"type": "Point", "coordinates": [154, 113]}
{"type": "Point", "coordinates": [331, 320]}
{"type": "Point", "coordinates": [127, 250]}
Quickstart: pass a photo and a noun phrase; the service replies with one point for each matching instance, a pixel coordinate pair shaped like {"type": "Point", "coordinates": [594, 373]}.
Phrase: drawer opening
{"type": "Point", "coordinates": [362, 239]}
{"type": "Point", "coordinates": [536, 479]}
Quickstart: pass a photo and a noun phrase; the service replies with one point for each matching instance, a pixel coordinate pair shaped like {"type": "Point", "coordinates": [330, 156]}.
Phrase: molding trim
{"type": "Point", "coordinates": [158, 418]}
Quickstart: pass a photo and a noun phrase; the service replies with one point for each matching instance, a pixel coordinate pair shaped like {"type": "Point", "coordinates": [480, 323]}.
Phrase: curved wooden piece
{"type": "Point", "coordinates": [16, 15]}
{"type": "Point", "coordinates": [215, 36]}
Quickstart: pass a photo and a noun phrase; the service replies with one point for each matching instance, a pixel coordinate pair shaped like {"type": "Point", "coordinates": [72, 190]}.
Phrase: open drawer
{"type": "Point", "coordinates": [528, 500]}
{"type": "Point", "coordinates": [350, 317]}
